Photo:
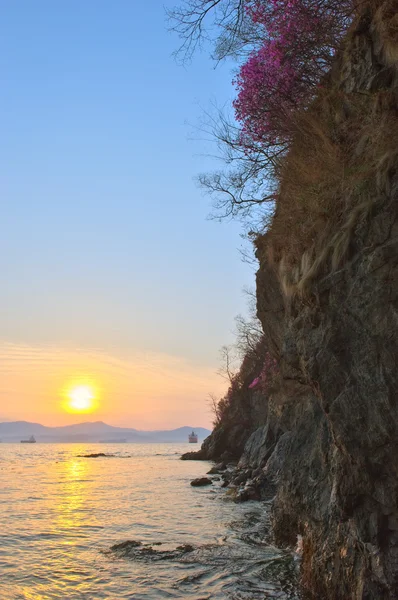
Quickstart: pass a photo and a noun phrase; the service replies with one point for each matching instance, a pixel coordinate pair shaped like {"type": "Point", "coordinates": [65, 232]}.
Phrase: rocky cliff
{"type": "Point", "coordinates": [328, 304]}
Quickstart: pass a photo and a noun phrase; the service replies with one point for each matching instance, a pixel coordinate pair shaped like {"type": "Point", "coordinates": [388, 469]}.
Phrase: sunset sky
{"type": "Point", "coordinates": [111, 273]}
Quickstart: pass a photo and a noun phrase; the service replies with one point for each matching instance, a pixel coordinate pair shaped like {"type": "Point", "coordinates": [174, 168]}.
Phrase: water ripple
{"type": "Point", "coordinates": [63, 518]}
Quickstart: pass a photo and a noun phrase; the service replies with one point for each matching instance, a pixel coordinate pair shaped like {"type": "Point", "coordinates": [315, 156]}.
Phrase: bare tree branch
{"type": "Point", "coordinates": [213, 403]}
{"type": "Point", "coordinates": [221, 22]}
{"type": "Point", "coordinates": [228, 360]}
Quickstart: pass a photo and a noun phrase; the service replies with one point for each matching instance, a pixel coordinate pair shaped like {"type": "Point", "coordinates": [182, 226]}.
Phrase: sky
{"type": "Point", "coordinates": [113, 276]}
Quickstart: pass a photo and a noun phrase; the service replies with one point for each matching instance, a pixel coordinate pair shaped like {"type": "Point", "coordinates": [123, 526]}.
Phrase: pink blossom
{"type": "Point", "coordinates": [299, 40]}
{"type": "Point", "coordinates": [267, 375]}
{"type": "Point", "coordinates": [254, 383]}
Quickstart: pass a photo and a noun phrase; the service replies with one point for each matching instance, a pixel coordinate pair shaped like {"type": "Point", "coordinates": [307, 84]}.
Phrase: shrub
{"type": "Point", "coordinates": [300, 38]}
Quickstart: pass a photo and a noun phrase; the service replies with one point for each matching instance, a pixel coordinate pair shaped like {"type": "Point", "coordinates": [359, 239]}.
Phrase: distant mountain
{"type": "Point", "coordinates": [97, 431]}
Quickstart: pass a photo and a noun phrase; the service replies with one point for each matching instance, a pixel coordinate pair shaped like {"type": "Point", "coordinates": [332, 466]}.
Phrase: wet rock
{"type": "Point", "coordinates": [227, 476]}
{"type": "Point", "coordinates": [231, 493]}
{"type": "Point", "coordinates": [201, 481]}
{"type": "Point", "coordinates": [185, 548]}
{"type": "Point", "coordinates": [217, 469]}
{"type": "Point", "coordinates": [249, 492]}
{"type": "Point", "coordinates": [242, 477]}
{"type": "Point", "coordinates": [126, 546]}
{"type": "Point", "coordinates": [199, 455]}
{"type": "Point", "coordinates": [213, 471]}
{"type": "Point", "coordinates": [95, 455]}
{"type": "Point", "coordinates": [135, 550]}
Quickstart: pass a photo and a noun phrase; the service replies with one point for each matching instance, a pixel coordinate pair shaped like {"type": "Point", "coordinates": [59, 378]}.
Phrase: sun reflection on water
{"type": "Point", "coordinates": [71, 503]}
{"type": "Point", "coordinates": [60, 514]}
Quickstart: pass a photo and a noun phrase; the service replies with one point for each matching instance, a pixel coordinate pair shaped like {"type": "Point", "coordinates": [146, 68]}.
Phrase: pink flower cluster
{"type": "Point", "coordinates": [298, 40]}
{"type": "Point", "coordinates": [268, 372]}
{"type": "Point", "coordinates": [254, 383]}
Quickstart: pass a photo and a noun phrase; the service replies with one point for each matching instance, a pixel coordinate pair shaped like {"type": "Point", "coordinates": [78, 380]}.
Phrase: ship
{"type": "Point", "coordinates": [193, 438]}
{"type": "Point", "coordinates": [30, 440]}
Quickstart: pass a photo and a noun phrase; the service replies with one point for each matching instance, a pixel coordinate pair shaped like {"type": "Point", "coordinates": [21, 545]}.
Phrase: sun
{"type": "Point", "coordinates": [80, 399]}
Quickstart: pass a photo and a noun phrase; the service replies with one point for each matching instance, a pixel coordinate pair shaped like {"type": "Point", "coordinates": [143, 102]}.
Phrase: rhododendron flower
{"type": "Point", "coordinates": [255, 382]}
{"type": "Point", "coordinates": [268, 373]}
{"type": "Point", "coordinates": [299, 40]}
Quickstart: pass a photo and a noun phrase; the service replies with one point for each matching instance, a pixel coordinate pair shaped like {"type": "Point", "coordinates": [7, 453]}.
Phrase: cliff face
{"type": "Point", "coordinates": [329, 437]}
{"type": "Point", "coordinates": [338, 349]}
{"type": "Point", "coordinates": [338, 479]}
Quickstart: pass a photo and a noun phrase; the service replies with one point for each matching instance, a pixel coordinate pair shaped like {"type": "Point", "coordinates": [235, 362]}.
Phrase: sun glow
{"type": "Point", "coordinates": [80, 399]}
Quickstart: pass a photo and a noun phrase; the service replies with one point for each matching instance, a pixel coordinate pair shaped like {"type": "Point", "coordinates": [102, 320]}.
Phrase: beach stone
{"type": "Point", "coordinates": [201, 481]}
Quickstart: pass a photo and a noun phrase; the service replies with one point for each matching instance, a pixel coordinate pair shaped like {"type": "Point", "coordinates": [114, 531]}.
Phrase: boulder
{"type": "Point", "coordinates": [201, 481]}
{"type": "Point", "coordinates": [198, 455]}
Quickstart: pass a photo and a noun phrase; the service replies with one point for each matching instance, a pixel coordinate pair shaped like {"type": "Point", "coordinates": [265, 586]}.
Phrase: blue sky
{"type": "Point", "coordinates": [104, 238]}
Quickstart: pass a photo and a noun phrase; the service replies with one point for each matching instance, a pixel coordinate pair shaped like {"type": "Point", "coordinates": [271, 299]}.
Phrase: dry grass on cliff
{"type": "Point", "coordinates": [340, 164]}
{"type": "Point", "coordinates": [343, 156]}
{"type": "Point", "coordinates": [386, 25]}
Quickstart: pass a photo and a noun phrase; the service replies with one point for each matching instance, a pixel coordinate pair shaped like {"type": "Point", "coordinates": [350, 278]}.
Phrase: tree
{"type": "Point", "coordinates": [285, 48]}
{"type": "Point", "coordinates": [245, 188]}
{"type": "Point", "coordinates": [228, 360]}
{"type": "Point", "coordinates": [221, 21]}
{"type": "Point", "coordinates": [213, 403]}
{"type": "Point", "coordinates": [248, 330]}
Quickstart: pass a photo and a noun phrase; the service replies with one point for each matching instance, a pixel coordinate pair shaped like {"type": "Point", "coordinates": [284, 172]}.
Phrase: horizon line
{"type": "Point", "coordinates": [99, 422]}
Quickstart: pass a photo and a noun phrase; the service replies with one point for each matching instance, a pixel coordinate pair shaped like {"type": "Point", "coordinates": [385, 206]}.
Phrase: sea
{"type": "Point", "coordinates": [130, 525]}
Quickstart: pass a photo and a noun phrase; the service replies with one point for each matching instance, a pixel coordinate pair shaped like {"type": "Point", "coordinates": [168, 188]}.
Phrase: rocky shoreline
{"type": "Point", "coordinates": [243, 484]}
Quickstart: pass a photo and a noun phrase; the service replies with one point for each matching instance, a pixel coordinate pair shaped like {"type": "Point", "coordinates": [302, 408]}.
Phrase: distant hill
{"type": "Point", "coordinates": [96, 431]}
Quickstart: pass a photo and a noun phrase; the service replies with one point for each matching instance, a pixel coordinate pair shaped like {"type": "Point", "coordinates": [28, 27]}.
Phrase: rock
{"type": "Point", "coordinates": [258, 447]}
{"type": "Point", "coordinates": [242, 477]}
{"type": "Point", "coordinates": [136, 550]}
{"type": "Point", "coordinates": [228, 475]}
{"type": "Point", "coordinates": [95, 455]}
{"type": "Point", "coordinates": [221, 466]}
{"type": "Point", "coordinates": [126, 546]}
{"type": "Point", "coordinates": [247, 493]}
{"type": "Point", "coordinates": [229, 457]}
{"type": "Point", "coordinates": [185, 548]}
{"type": "Point", "coordinates": [276, 461]}
{"type": "Point", "coordinates": [201, 481]}
{"type": "Point", "coordinates": [217, 469]}
{"type": "Point", "coordinates": [231, 493]}
{"type": "Point", "coordinates": [213, 471]}
{"type": "Point", "coordinates": [257, 472]}
{"type": "Point", "coordinates": [199, 455]}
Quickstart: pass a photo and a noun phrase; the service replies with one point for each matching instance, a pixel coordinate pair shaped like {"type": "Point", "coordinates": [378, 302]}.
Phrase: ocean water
{"type": "Point", "coordinates": [60, 515]}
